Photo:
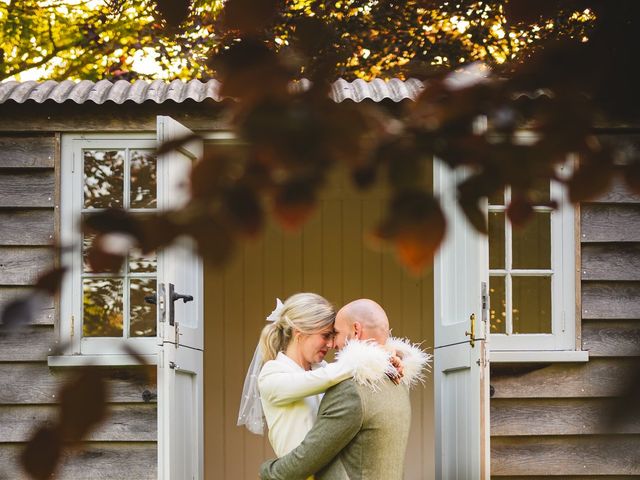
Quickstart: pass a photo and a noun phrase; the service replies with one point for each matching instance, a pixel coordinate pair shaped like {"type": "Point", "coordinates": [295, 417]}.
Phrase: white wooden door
{"type": "Point", "coordinates": [180, 325]}
{"type": "Point", "coordinates": [460, 366]}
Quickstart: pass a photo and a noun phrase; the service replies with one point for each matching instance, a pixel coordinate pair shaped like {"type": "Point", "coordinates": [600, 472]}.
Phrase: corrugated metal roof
{"type": "Point", "coordinates": [178, 91]}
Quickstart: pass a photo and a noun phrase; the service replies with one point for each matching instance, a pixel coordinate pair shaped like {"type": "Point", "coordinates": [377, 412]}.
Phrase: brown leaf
{"type": "Point", "coordinates": [249, 16]}
{"type": "Point", "coordinates": [589, 181]}
{"type": "Point", "coordinates": [249, 70]}
{"type": "Point", "coordinates": [415, 225]}
{"type": "Point", "coordinates": [244, 210]}
{"type": "Point", "coordinates": [526, 11]}
{"type": "Point", "coordinates": [474, 214]}
{"type": "Point", "coordinates": [520, 210]}
{"type": "Point", "coordinates": [177, 143]}
{"type": "Point", "coordinates": [100, 261]}
{"type": "Point", "coordinates": [294, 204]}
{"type": "Point", "coordinates": [213, 238]}
{"type": "Point", "coordinates": [174, 12]}
{"type": "Point", "coordinates": [83, 404]}
{"type": "Point", "coordinates": [42, 453]}
{"type": "Point", "coordinates": [111, 220]}
{"type": "Point", "coordinates": [416, 245]}
{"type": "Point", "coordinates": [50, 281]}
{"type": "Point", "coordinates": [20, 311]}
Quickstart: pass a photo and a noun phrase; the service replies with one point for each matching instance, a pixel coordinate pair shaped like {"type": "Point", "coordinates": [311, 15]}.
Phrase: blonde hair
{"type": "Point", "coordinates": [306, 312]}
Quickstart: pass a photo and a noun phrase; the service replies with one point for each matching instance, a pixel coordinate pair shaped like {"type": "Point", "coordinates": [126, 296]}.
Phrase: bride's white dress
{"type": "Point", "coordinates": [291, 396]}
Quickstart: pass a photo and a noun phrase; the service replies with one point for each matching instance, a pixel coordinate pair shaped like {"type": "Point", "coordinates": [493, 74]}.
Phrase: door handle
{"type": "Point", "coordinates": [472, 334]}
{"type": "Point", "coordinates": [173, 296]}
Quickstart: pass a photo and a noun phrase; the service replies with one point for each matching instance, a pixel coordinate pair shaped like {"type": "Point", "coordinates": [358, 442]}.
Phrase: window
{"type": "Point", "coordinates": [532, 275]}
{"type": "Point", "coordinates": [103, 312]}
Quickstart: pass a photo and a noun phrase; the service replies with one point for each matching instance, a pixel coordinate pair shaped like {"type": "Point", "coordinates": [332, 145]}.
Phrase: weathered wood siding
{"type": "Point", "coordinates": [328, 257]}
{"type": "Point", "coordinates": [550, 420]}
{"type": "Point", "coordinates": [124, 447]}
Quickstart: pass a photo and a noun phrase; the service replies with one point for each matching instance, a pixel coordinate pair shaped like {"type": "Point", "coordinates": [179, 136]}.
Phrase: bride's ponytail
{"type": "Point", "coordinates": [306, 312]}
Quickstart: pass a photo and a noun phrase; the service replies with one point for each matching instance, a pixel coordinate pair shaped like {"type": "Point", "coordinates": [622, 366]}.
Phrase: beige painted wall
{"type": "Point", "coordinates": [327, 257]}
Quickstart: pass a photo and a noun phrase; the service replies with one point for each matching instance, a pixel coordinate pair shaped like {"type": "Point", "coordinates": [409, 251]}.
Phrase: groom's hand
{"type": "Point", "coordinates": [396, 362]}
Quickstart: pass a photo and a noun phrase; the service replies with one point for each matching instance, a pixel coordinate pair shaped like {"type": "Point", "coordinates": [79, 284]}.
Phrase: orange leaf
{"type": "Point", "coordinates": [416, 245]}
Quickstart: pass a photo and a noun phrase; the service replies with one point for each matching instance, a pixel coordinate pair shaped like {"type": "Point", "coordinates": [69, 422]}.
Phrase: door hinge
{"type": "Point", "coordinates": [73, 326]}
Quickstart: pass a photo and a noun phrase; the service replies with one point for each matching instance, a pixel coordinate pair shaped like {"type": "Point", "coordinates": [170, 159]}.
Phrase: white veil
{"type": "Point", "coordinates": [250, 414]}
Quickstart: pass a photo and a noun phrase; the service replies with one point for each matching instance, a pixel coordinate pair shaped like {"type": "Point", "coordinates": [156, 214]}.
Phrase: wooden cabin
{"type": "Point", "coordinates": [527, 403]}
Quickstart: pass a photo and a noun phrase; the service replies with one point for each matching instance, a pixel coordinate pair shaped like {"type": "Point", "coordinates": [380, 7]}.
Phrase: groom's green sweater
{"type": "Point", "coordinates": [360, 434]}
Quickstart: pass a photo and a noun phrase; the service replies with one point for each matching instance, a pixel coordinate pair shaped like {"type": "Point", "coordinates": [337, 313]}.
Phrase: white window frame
{"type": "Point", "coordinates": [561, 344]}
{"type": "Point", "coordinates": [95, 350]}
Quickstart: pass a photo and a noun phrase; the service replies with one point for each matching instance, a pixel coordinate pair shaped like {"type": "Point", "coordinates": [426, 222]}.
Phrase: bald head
{"type": "Point", "coordinates": [363, 319]}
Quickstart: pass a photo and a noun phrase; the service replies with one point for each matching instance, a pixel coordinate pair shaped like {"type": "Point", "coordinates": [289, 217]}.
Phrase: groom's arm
{"type": "Point", "coordinates": [339, 419]}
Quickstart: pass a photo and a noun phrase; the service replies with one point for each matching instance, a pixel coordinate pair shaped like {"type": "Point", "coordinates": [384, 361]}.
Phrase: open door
{"type": "Point", "coordinates": [461, 364]}
{"type": "Point", "coordinates": [180, 324]}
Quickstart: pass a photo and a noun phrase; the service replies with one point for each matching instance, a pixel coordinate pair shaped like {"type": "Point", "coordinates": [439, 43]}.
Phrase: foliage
{"type": "Point", "coordinates": [126, 39]}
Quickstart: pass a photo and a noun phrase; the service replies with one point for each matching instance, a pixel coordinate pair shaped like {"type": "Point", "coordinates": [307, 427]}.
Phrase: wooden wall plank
{"type": "Point", "coordinates": [213, 366]}
{"type": "Point", "coordinates": [94, 461]}
{"type": "Point", "coordinates": [26, 227]}
{"type": "Point", "coordinates": [136, 422]}
{"type": "Point", "coordinates": [611, 262]}
{"type": "Point", "coordinates": [564, 456]}
{"type": "Point", "coordinates": [45, 316]}
{"type": "Point", "coordinates": [27, 189]}
{"type": "Point", "coordinates": [27, 152]}
{"type": "Point", "coordinates": [36, 383]}
{"type": "Point", "coordinates": [234, 367]}
{"type": "Point", "coordinates": [332, 287]}
{"type": "Point", "coordinates": [312, 254]}
{"type": "Point", "coordinates": [611, 338]}
{"type": "Point", "coordinates": [32, 343]}
{"type": "Point", "coordinates": [618, 193]}
{"type": "Point", "coordinates": [254, 320]}
{"type": "Point", "coordinates": [550, 416]}
{"type": "Point", "coordinates": [610, 223]}
{"type": "Point", "coordinates": [23, 265]}
{"type": "Point", "coordinates": [599, 377]}
{"type": "Point", "coordinates": [615, 300]}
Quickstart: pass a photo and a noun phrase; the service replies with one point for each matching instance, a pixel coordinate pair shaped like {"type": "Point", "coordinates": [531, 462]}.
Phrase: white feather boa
{"type": "Point", "coordinates": [369, 361]}
{"type": "Point", "coordinates": [414, 359]}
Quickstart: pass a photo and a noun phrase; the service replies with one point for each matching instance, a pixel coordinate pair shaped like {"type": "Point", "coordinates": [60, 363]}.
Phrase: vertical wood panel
{"type": "Point", "coordinates": [292, 263]}
{"type": "Point", "coordinates": [351, 249]}
{"type": "Point", "coordinates": [371, 259]}
{"type": "Point", "coordinates": [312, 254]}
{"type": "Point", "coordinates": [234, 370]}
{"type": "Point", "coordinates": [214, 368]}
{"type": "Point", "coordinates": [254, 315]}
{"type": "Point", "coordinates": [332, 250]}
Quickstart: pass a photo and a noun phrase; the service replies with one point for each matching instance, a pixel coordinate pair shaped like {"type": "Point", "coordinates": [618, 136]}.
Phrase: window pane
{"type": "Point", "coordinates": [102, 307]}
{"type": "Point", "coordinates": [496, 240]}
{"type": "Point", "coordinates": [143, 179]}
{"type": "Point", "coordinates": [497, 198]}
{"type": "Point", "coordinates": [498, 305]}
{"type": "Point", "coordinates": [531, 304]}
{"type": "Point", "coordinates": [103, 178]}
{"type": "Point", "coordinates": [532, 243]}
{"type": "Point", "coordinates": [143, 314]}
{"type": "Point", "coordinates": [142, 263]}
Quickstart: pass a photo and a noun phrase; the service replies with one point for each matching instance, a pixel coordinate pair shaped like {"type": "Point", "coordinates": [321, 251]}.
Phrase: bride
{"type": "Point", "coordinates": [288, 374]}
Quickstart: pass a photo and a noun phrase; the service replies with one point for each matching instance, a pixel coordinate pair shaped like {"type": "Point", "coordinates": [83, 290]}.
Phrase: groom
{"type": "Point", "coordinates": [360, 433]}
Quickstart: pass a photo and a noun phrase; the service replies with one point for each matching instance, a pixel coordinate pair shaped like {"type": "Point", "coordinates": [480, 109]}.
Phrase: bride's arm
{"type": "Point", "coordinates": [366, 362]}
{"type": "Point", "coordinates": [280, 387]}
